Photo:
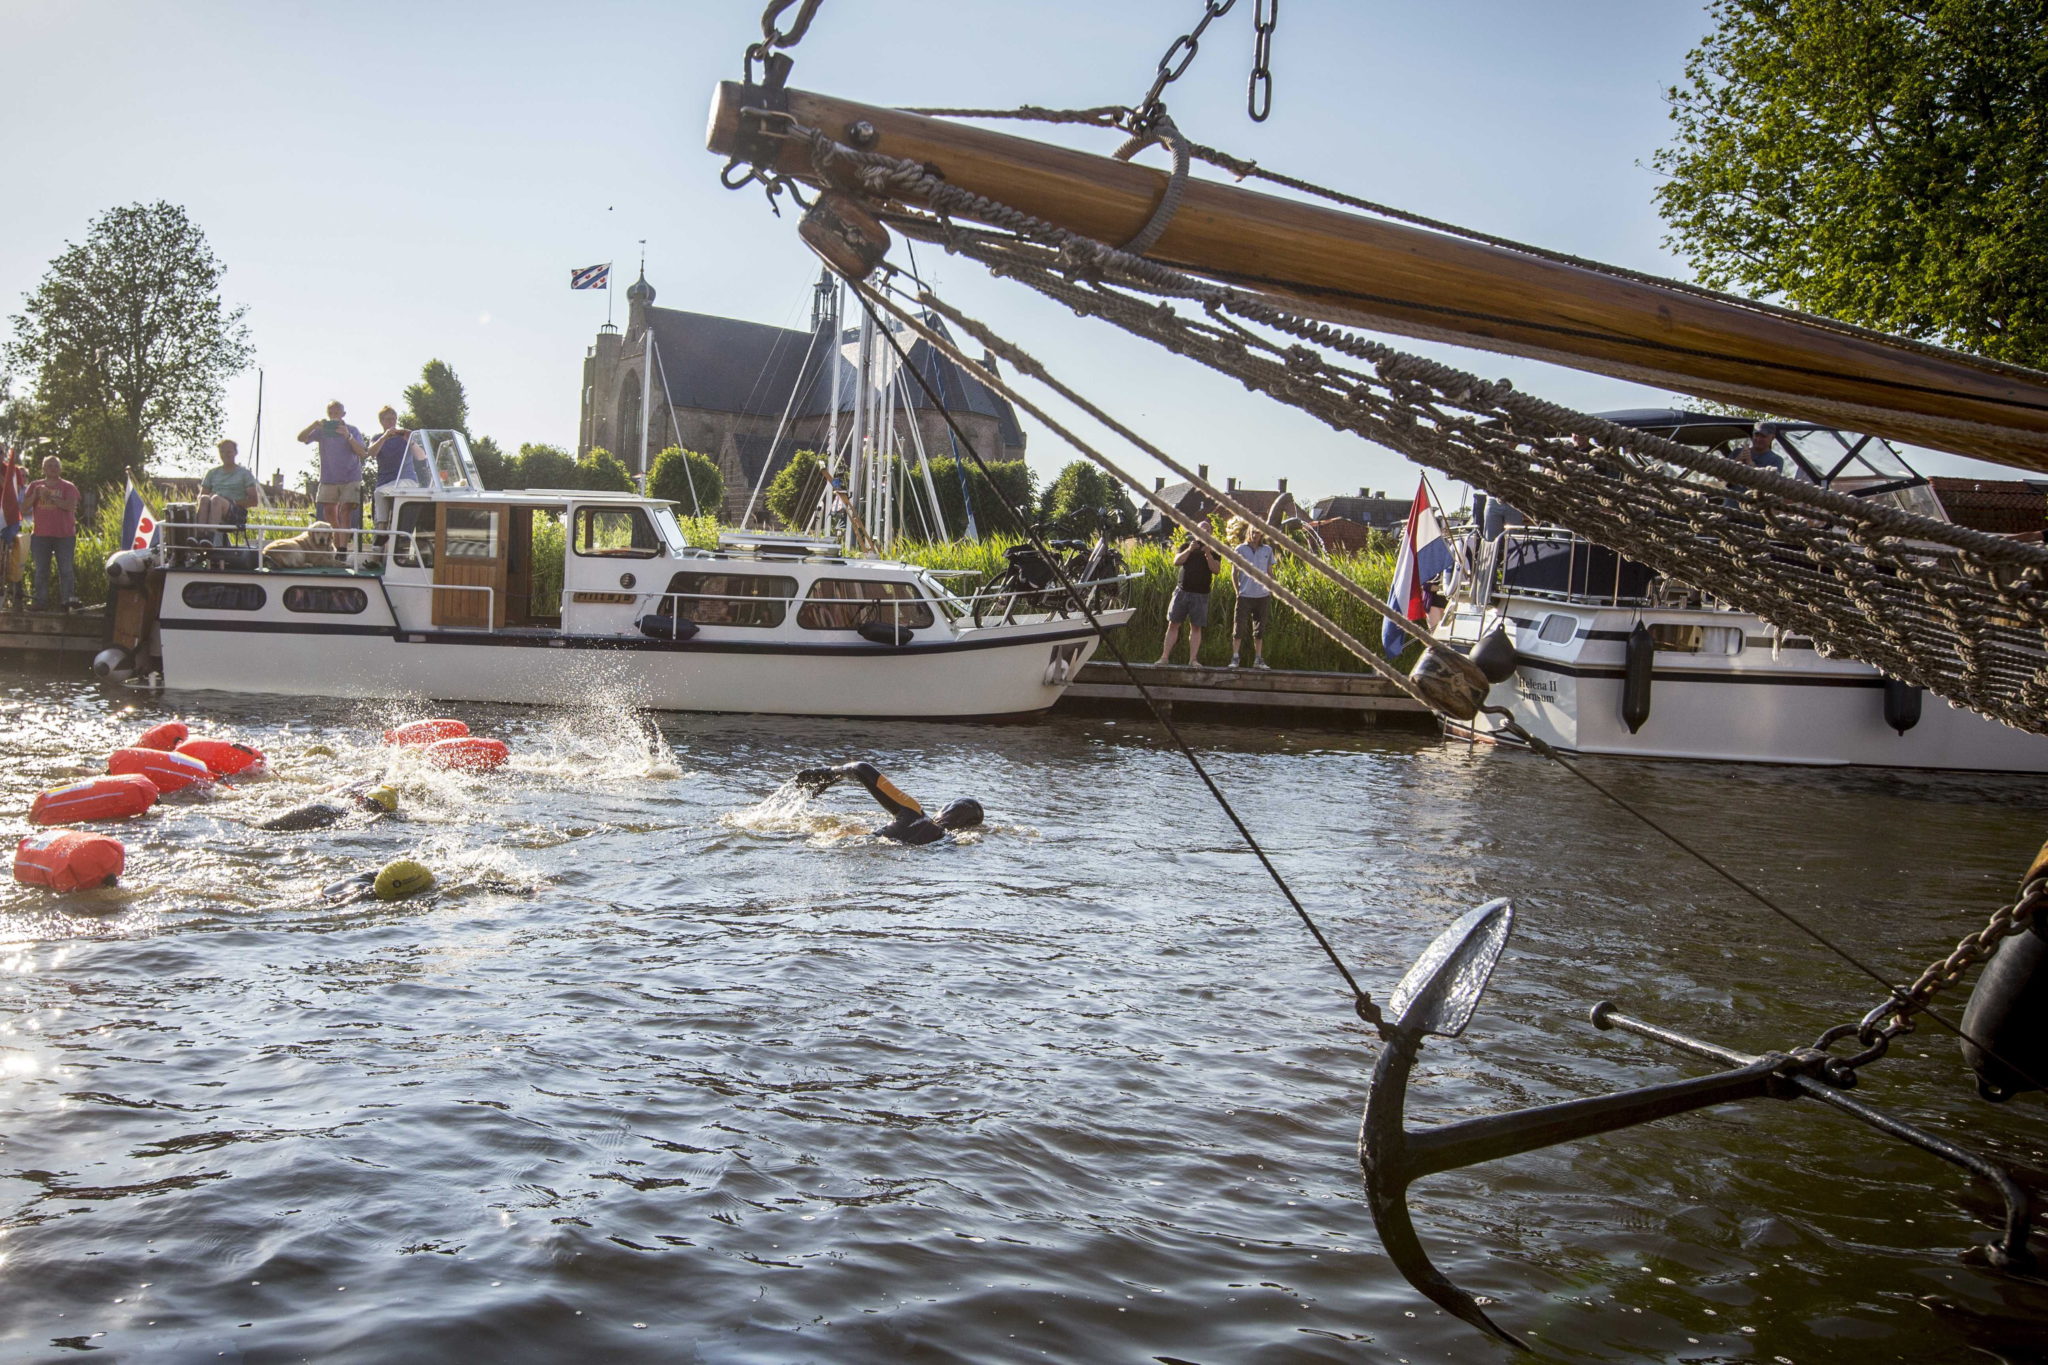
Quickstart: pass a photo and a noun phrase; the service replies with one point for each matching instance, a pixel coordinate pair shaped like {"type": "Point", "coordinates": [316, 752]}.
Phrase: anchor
{"type": "Point", "coordinates": [1438, 997]}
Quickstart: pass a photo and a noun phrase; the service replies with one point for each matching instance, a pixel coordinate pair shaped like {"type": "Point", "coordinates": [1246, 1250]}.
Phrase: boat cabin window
{"type": "Point", "coordinates": [471, 532]}
{"type": "Point", "coordinates": [415, 531]}
{"type": "Point", "coordinates": [1680, 638]}
{"type": "Point", "coordinates": [849, 603]}
{"type": "Point", "coordinates": [616, 533]}
{"type": "Point", "coordinates": [1558, 629]}
{"type": "Point", "coordinates": [729, 599]}
{"type": "Point", "coordinates": [224, 596]}
{"type": "Point", "coordinates": [331, 600]}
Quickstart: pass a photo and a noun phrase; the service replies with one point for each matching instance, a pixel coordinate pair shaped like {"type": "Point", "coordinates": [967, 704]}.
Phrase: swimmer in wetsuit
{"type": "Point", "coordinates": [909, 824]}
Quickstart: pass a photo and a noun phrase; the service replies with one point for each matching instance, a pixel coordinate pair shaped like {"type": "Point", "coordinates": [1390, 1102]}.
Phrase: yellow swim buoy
{"type": "Point", "coordinates": [402, 877]}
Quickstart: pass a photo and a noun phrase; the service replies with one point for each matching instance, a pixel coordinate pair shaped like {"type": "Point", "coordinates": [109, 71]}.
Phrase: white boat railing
{"type": "Point", "coordinates": [175, 547]}
{"type": "Point", "coordinates": [1581, 565]}
{"type": "Point", "coordinates": [490, 602]}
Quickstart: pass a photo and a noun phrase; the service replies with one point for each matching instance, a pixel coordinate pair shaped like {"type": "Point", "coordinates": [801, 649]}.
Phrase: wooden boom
{"type": "Point", "coordinates": [1390, 277]}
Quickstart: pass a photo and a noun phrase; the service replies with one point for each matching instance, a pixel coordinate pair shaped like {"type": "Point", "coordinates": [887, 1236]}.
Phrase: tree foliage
{"type": "Point", "coordinates": [794, 491]}
{"type": "Point", "coordinates": [1013, 486]}
{"type": "Point", "coordinates": [1885, 164]}
{"type": "Point", "coordinates": [1083, 501]}
{"type": "Point", "coordinates": [688, 479]}
{"type": "Point", "coordinates": [437, 402]}
{"type": "Point", "coordinates": [129, 343]}
{"type": "Point", "coordinates": [602, 472]}
{"type": "Point", "coordinates": [545, 466]}
{"type": "Point", "coordinates": [491, 464]}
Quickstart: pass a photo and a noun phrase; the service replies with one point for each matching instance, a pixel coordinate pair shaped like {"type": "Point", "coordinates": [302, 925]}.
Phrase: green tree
{"type": "Point", "coordinates": [1881, 163]}
{"type": "Point", "coordinates": [602, 472]}
{"type": "Point", "coordinates": [1013, 486]}
{"type": "Point", "coordinates": [545, 466]}
{"type": "Point", "coordinates": [437, 402]}
{"type": "Point", "coordinates": [1083, 501]}
{"type": "Point", "coordinates": [491, 465]}
{"type": "Point", "coordinates": [794, 491]}
{"type": "Point", "coordinates": [129, 342]}
{"type": "Point", "coordinates": [692, 481]}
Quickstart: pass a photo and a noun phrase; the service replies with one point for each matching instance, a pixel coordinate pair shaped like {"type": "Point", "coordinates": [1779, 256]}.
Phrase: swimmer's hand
{"type": "Point", "coordinates": [815, 780]}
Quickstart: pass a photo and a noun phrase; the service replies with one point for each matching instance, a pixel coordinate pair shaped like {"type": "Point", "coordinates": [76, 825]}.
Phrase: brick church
{"type": "Point", "coordinates": [722, 387]}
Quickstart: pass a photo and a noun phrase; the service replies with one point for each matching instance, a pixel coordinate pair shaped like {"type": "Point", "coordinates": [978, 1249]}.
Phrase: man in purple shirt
{"type": "Point", "coordinates": [340, 498]}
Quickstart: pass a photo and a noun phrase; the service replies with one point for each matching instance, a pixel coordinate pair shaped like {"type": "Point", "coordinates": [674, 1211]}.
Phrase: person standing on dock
{"type": "Point", "coordinates": [1190, 602]}
{"type": "Point", "coordinates": [1254, 599]}
{"type": "Point", "coordinates": [53, 501]}
{"type": "Point", "coordinates": [341, 468]}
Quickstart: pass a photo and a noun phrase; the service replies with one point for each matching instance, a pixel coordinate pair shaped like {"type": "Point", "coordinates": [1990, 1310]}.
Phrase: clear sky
{"type": "Point", "coordinates": [390, 182]}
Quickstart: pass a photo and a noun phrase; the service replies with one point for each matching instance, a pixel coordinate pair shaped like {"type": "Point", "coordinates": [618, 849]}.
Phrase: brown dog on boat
{"type": "Point", "coordinates": [316, 547]}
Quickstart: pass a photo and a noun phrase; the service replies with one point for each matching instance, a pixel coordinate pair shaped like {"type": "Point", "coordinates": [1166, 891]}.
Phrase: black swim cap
{"type": "Point", "coordinates": [962, 814]}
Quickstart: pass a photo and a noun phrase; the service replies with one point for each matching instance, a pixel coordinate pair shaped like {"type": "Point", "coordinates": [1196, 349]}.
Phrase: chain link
{"type": "Point", "coordinates": [1180, 53]}
{"type": "Point", "coordinates": [773, 37]}
{"type": "Point", "coordinates": [1258, 95]}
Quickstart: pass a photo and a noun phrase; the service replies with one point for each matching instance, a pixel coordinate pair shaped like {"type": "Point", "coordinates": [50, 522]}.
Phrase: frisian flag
{"type": "Point", "coordinates": [139, 530]}
{"type": "Point", "coordinates": [1424, 554]}
{"type": "Point", "coordinates": [591, 277]}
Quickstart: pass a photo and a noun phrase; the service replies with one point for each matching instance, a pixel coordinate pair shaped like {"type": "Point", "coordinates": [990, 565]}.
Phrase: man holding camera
{"type": "Point", "coordinates": [341, 469]}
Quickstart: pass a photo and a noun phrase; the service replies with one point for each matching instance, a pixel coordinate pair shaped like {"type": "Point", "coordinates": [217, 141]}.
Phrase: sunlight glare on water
{"type": "Point", "coordinates": [677, 1063]}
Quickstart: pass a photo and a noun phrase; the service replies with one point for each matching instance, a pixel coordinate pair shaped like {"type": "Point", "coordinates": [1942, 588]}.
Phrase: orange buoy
{"type": "Point", "coordinates": [170, 772]}
{"type": "Point", "coordinates": [471, 753]}
{"type": "Point", "coordinates": [68, 859]}
{"type": "Point", "coordinates": [167, 736]}
{"type": "Point", "coordinates": [426, 731]}
{"type": "Point", "coordinates": [114, 797]}
{"type": "Point", "coordinates": [225, 758]}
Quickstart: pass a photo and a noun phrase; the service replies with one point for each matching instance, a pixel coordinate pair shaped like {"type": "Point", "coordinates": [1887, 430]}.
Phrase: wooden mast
{"type": "Point", "coordinates": [1390, 277]}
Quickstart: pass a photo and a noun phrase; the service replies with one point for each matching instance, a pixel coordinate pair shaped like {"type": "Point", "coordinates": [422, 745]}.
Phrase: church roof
{"type": "Point", "coordinates": [725, 365]}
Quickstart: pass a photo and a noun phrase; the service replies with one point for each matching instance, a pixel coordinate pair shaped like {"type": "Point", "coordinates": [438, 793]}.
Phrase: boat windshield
{"type": "Point", "coordinates": [439, 460]}
{"type": "Point", "coordinates": [671, 533]}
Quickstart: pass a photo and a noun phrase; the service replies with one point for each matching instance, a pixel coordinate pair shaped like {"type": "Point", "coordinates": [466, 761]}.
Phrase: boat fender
{"type": "Point", "coordinates": [1901, 704]}
{"type": "Point", "coordinates": [425, 731]}
{"type": "Point", "coordinates": [128, 569]}
{"type": "Point", "coordinates": [166, 736]}
{"type": "Point", "coordinates": [402, 877]}
{"type": "Point", "coordinates": [883, 633]}
{"type": "Point", "coordinates": [667, 627]}
{"type": "Point", "coordinates": [470, 753]}
{"type": "Point", "coordinates": [1641, 658]}
{"type": "Point", "coordinates": [171, 772]}
{"type": "Point", "coordinates": [2008, 1010]}
{"type": "Point", "coordinates": [225, 757]}
{"type": "Point", "coordinates": [1495, 655]}
{"type": "Point", "coordinates": [68, 860]}
{"type": "Point", "coordinates": [114, 664]}
{"type": "Point", "coordinates": [97, 798]}
{"type": "Point", "coordinates": [1450, 682]}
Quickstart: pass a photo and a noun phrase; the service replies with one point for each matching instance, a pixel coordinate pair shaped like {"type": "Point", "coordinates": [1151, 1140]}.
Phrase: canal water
{"type": "Point", "coordinates": [675, 1068]}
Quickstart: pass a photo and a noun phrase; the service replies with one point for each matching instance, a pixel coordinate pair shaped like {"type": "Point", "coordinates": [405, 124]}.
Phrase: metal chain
{"type": "Point", "coordinates": [1180, 53]}
{"type": "Point", "coordinates": [773, 37]}
{"type": "Point", "coordinates": [1258, 95]}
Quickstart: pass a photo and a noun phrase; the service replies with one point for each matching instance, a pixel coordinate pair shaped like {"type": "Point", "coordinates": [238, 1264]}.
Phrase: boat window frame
{"type": "Point", "coordinates": [748, 610]}
{"type": "Point", "coordinates": [337, 592]}
{"type": "Point", "coordinates": [226, 587]}
{"type": "Point", "coordinates": [867, 605]}
{"type": "Point", "coordinates": [585, 511]}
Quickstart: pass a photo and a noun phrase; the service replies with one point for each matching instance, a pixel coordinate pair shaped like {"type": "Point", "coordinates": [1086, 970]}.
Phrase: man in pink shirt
{"type": "Point", "coordinates": [52, 501]}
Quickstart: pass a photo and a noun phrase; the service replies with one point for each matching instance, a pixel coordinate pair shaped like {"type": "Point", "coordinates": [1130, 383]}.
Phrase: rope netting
{"type": "Point", "coordinates": [1959, 612]}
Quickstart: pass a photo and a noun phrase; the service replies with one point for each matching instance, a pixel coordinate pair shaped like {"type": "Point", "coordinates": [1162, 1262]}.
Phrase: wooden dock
{"type": "Point", "coordinates": [53, 634]}
{"type": "Point", "coordinates": [1335, 699]}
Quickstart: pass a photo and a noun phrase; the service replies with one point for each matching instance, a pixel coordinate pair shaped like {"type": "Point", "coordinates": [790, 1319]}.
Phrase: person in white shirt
{"type": "Point", "coordinates": [1254, 599]}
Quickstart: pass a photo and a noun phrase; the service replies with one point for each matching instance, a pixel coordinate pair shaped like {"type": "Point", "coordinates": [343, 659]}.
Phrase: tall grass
{"type": "Point", "coordinates": [1291, 642]}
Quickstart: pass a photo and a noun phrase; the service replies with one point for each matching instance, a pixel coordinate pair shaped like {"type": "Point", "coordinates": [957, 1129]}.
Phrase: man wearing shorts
{"type": "Point", "coordinates": [340, 499]}
{"type": "Point", "coordinates": [1190, 602]}
{"type": "Point", "coordinates": [1254, 599]}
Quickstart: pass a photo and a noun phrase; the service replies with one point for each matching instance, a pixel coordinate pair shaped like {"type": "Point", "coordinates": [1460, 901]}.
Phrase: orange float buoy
{"type": "Point", "coordinates": [170, 772]}
{"type": "Point", "coordinates": [68, 859]}
{"type": "Point", "coordinates": [225, 758]}
{"type": "Point", "coordinates": [426, 731]}
{"type": "Point", "coordinates": [470, 753]}
{"type": "Point", "coordinates": [167, 736]}
{"type": "Point", "coordinates": [97, 798]}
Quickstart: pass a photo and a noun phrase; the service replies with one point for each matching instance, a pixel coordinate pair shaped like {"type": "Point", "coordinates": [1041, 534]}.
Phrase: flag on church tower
{"type": "Point", "coordinates": [591, 277]}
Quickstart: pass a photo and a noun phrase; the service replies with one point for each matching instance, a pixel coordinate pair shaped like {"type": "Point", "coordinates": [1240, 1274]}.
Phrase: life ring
{"type": "Point", "coordinates": [171, 772]}
{"type": "Point", "coordinates": [425, 731]}
{"type": "Point", "coordinates": [469, 753]}
{"type": "Point", "coordinates": [166, 736]}
{"type": "Point", "coordinates": [115, 797]}
{"type": "Point", "coordinates": [68, 859]}
{"type": "Point", "coordinates": [225, 758]}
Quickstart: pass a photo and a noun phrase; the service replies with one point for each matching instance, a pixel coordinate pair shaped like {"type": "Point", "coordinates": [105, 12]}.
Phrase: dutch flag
{"type": "Point", "coordinates": [1424, 554]}
{"type": "Point", "coordinates": [138, 523]}
{"type": "Point", "coordinates": [591, 277]}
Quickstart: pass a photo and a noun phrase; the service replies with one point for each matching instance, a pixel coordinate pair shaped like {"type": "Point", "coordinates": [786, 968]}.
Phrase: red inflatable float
{"type": "Point", "coordinates": [167, 736]}
{"type": "Point", "coordinates": [170, 772]}
{"type": "Point", "coordinates": [68, 859]}
{"type": "Point", "coordinates": [470, 753]}
{"type": "Point", "coordinates": [96, 798]}
{"type": "Point", "coordinates": [224, 758]}
{"type": "Point", "coordinates": [426, 732]}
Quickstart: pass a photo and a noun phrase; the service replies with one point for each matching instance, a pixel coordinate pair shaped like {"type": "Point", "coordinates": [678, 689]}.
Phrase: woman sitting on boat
{"type": "Point", "coordinates": [909, 825]}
